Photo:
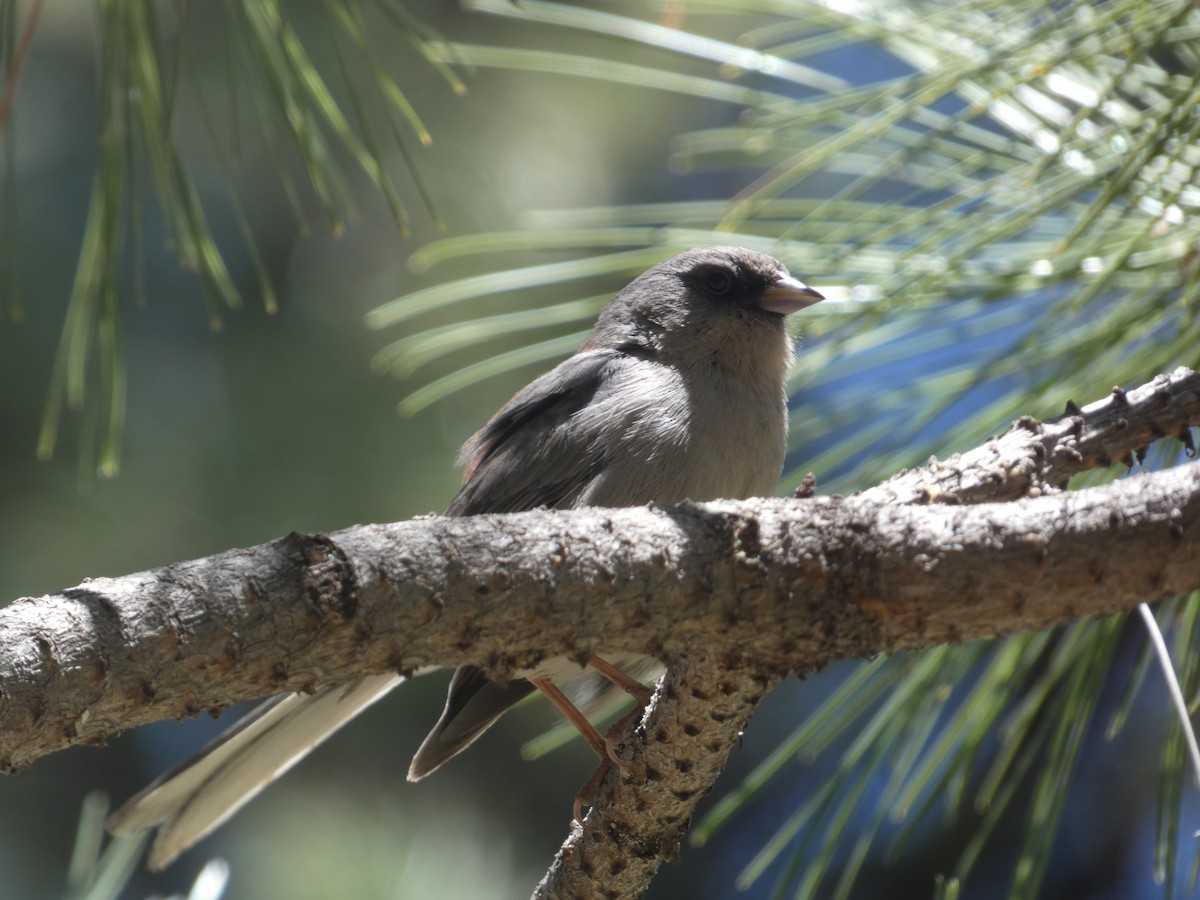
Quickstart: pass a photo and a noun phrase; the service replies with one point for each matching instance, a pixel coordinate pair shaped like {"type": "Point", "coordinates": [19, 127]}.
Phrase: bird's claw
{"type": "Point", "coordinates": [610, 749]}
{"type": "Point", "coordinates": [587, 793]}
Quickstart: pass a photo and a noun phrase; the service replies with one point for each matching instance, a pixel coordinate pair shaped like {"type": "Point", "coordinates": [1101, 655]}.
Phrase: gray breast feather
{"type": "Point", "coordinates": [670, 435]}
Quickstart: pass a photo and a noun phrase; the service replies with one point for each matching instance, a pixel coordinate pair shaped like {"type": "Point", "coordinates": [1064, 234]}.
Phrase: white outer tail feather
{"type": "Point", "coordinates": [194, 798]}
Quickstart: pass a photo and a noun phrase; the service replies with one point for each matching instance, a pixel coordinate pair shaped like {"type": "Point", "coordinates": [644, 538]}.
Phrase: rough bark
{"type": "Point", "coordinates": [643, 809]}
{"type": "Point", "coordinates": [1034, 457]}
{"type": "Point", "coordinates": [734, 594]}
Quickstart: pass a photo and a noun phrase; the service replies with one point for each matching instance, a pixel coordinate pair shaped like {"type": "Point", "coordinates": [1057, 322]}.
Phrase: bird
{"type": "Point", "coordinates": [677, 393]}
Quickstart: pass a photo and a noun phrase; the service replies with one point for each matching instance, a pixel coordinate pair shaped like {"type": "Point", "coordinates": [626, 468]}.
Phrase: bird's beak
{"type": "Point", "coordinates": [788, 295]}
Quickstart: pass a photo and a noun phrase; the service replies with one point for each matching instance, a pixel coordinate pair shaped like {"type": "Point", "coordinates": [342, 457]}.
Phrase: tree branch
{"type": "Point", "coordinates": [734, 594]}
{"type": "Point", "coordinates": [777, 584]}
{"type": "Point", "coordinates": [1035, 457]}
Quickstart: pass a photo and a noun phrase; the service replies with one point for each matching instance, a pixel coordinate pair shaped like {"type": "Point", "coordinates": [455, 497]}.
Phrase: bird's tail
{"type": "Point", "coordinates": [196, 796]}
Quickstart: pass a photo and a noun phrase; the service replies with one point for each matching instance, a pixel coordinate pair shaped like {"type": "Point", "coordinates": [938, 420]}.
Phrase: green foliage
{"type": "Point", "coordinates": [1024, 173]}
{"type": "Point", "coordinates": [94, 874]}
{"type": "Point", "coordinates": [147, 68]}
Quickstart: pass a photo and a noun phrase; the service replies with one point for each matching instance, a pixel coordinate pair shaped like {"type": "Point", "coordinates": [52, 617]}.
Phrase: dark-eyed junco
{"type": "Point", "coordinates": [677, 394]}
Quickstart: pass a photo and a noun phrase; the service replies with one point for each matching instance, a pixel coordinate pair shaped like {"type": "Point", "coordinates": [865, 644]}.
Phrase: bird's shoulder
{"type": "Point", "coordinates": [537, 450]}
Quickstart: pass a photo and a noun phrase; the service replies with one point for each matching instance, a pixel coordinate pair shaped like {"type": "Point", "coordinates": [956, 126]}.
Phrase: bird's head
{"type": "Point", "coordinates": [710, 304]}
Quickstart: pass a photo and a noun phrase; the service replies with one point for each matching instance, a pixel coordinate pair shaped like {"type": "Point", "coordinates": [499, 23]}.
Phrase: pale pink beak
{"type": "Point", "coordinates": [788, 295]}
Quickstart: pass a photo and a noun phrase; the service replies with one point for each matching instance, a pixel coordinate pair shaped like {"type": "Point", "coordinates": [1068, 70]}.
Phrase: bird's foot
{"type": "Point", "coordinates": [587, 794]}
{"type": "Point", "coordinates": [613, 743]}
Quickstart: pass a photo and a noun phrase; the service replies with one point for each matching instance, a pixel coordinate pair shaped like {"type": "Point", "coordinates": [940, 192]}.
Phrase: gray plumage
{"type": "Point", "coordinates": [676, 394]}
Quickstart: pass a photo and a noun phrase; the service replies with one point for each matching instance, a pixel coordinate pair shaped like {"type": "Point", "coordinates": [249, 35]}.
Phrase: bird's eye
{"type": "Point", "coordinates": [718, 281]}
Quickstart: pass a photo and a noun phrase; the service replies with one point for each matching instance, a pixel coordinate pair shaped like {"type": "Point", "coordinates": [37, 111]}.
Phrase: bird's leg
{"type": "Point", "coordinates": [602, 745]}
{"type": "Point", "coordinates": [631, 686]}
{"type": "Point", "coordinates": [627, 683]}
{"type": "Point", "coordinates": [574, 716]}
{"type": "Point", "coordinates": [590, 734]}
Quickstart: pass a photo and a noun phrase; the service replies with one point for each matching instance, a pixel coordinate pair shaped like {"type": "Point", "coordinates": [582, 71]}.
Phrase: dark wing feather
{"type": "Point", "coordinates": [473, 703]}
{"type": "Point", "coordinates": [524, 458]}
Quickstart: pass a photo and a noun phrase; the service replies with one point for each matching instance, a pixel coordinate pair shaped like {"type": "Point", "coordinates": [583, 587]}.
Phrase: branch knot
{"type": "Point", "coordinates": [330, 582]}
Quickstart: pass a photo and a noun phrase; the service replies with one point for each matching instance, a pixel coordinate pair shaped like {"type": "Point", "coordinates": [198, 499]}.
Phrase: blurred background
{"type": "Point", "coordinates": [972, 277]}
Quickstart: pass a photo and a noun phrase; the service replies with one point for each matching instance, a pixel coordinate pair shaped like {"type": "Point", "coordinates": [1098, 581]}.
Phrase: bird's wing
{"type": "Point", "coordinates": [203, 791]}
{"type": "Point", "coordinates": [473, 703]}
{"type": "Point", "coordinates": [531, 454]}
